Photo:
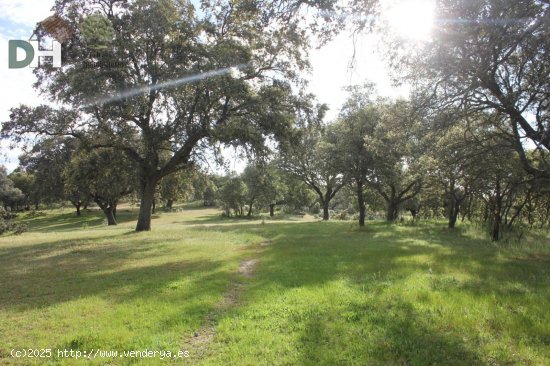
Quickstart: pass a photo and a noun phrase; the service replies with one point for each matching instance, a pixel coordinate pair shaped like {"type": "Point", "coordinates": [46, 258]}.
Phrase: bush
{"type": "Point", "coordinates": [7, 215]}
{"type": "Point", "coordinates": [19, 228]}
{"type": "Point", "coordinates": [316, 208]}
{"type": "Point", "coordinates": [16, 228]}
{"type": "Point", "coordinates": [7, 224]}
{"type": "Point", "coordinates": [34, 213]}
{"type": "Point", "coordinates": [288, 209]}
{"type": "Point", "coordinates": [342, 215]}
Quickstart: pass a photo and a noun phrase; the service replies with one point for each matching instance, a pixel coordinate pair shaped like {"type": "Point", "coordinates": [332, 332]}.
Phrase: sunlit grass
{"type": "Point", "coordinates": [322, 294]}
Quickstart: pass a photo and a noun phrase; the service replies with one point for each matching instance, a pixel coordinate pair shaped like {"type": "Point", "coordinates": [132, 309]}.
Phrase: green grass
{"type": "Point", "coordinates": [322, 293]}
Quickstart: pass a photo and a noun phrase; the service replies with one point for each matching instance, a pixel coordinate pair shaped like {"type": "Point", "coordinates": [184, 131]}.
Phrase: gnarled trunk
{"type": "Point", "coordinates": [108, 207]}
{"type": "Point", "coordinates": [110, 215]}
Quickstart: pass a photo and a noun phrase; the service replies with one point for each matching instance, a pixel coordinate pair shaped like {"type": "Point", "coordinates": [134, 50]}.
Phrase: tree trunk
{"type": "Point", "coordinates": [361, 203]}
{"type": "Point", "coordinates": [109, 213]}
{"type": "Point", "coordinates": [497, 214]}
{"type": "Point", "coordinates": [251, 206]}
{"type": "Point", "coordinates": [454, 209]}
{"type": "Point", "coordinates": [145, 208]}
{"type": "Point", "coordinates": [453, 216]}
{"type": "Point", "coordinates": [495, 230]}
{"type": "Point", "coordinates": [326, 215]}
{"type": "Point", "coordinates": [391, 211]}
{"type": "Point", "coordinates": [76, 204]}
{"type": "Point", "coordinates": [272, 210]}
{"type": "Point", "coordinates": [169, 204]}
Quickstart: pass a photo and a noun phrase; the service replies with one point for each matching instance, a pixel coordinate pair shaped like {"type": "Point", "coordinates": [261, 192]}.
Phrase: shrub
{"type": "Point", "coordinates": [34, 213]}
{"type": "Point", "coordinates": [316, 208]}
{"type": "Point", "coordinates": [342, 215]}
{"type": "Point", "coordinates": [7, 215]}
{"type": "Point", "coordinates": [7, 224]}
{"type": "Point", "coordinates": [19, 228]}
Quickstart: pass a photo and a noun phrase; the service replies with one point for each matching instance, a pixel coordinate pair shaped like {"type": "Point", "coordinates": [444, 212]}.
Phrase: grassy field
{"type": "Point", "coordinates": [262, 292]}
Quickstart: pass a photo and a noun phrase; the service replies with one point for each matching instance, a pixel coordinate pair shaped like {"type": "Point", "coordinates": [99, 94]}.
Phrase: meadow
{"type": "Point", "coordinates": [288, 291]}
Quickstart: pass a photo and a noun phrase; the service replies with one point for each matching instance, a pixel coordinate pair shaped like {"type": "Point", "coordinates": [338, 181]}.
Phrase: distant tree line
{"type": "Point", "coordinates": [470, 143]}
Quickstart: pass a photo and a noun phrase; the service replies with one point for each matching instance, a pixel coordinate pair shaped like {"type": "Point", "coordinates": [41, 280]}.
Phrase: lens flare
{"type": "Point", "coordinates": [234, 71]}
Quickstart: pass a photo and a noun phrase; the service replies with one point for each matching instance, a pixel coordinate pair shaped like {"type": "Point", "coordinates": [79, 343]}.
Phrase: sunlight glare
{"type": "Point", "coordinates": [412, 19]}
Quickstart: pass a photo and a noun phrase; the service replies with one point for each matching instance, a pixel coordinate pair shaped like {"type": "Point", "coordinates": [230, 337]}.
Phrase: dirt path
{"type": "Point", "coordinates": [197, 345]}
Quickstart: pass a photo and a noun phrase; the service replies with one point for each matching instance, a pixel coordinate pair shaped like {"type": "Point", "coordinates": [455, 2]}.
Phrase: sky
{"type": "Point", "coordinates": [329, 75]}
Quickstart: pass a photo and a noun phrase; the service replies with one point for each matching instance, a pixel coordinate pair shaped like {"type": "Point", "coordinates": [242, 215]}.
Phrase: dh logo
{"type": "Point", "coordinates": [32, 54]}
{"type": "Point", "coordinates": [53, 25]}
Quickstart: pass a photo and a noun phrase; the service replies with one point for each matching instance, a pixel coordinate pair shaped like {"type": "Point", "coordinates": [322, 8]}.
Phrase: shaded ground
{"type": "Point", "coordinates": [273, 292]}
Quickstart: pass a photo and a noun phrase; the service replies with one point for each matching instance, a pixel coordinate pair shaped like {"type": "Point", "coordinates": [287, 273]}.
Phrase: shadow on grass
{"type": "Point", "coordinates": [69, 221]}
{"type": "Point", "coordinates": [403, 337]}
{"type": "Point", "coordinates": [218, 218]}
{"type": "Point", "coordinates": [301, 255]}
{"type": "Point", "coordinates": [312, 253]}
{"type": "Point", "coordinates": [380, 259]}
{"type": "Point", "coordinates": [42, 275]}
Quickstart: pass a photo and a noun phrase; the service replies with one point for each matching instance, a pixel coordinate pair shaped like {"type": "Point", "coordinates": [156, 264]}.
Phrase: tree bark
{"type": "Point", "coordinates": [453, 215]}
{"type": "Point", "coordinates": [145, 208]}
{"type": "Point", "coordinates": [497, 213]}
{"type": "Point", "coordinates": [272, 210]}
{"type": "Point", "coordinates": [454, 209]}
{"type": "Point", "coordinates": [326, 215]}
{"type": "Point", "coordinates": [391, 211]}
{"type": "Point", "coordinates": [495, 229]}
{"type": "Point", "coordinates": [361, 203]}
{"type": "Point", "coordinates": [109, 209]}
{"type": "Point", "coordinates": [250, 207]}
{"type": "Point", "coordinates": [77, 205]}
{"type": "Point", "coordinates": [169, 204]}
{"type": "Point", "coordinates": [110, 214]}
